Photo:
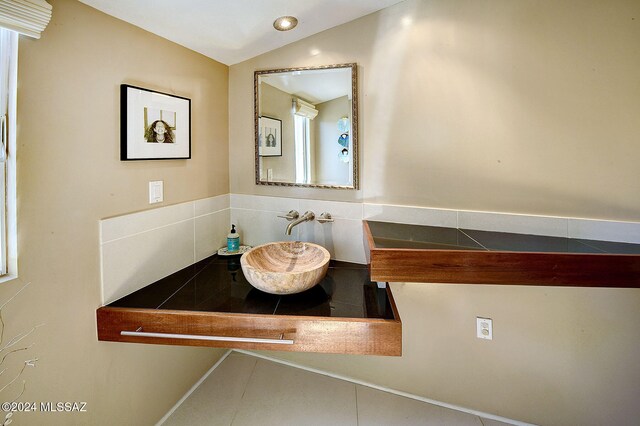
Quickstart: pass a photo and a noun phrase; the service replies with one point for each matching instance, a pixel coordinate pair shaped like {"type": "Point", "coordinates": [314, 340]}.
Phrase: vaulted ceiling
{"type": "Point", "coordinates": [231, 31]}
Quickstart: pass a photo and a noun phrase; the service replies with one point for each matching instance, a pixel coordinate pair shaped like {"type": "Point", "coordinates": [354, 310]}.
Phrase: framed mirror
{"type": "Point", "coordinates": [306, 127]}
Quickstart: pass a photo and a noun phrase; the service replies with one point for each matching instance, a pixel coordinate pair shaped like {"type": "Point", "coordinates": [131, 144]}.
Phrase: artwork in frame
{"type": "Point", "coordinates": [270, 137]}
{"type": "Point", "coordinates": [153, 125]}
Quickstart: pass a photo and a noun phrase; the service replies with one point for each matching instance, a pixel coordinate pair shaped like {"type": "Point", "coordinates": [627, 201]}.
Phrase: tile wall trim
{"type": "Point", "coordinates": [385, 389]}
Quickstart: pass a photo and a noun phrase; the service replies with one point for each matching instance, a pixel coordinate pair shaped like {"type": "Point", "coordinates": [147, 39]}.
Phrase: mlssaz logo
{"type": "Point", "coordinates": [80, 407]}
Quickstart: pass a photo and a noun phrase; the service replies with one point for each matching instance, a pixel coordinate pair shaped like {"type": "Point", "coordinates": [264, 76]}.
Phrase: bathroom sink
{"type": "Point", "coordinates": [285, 267]}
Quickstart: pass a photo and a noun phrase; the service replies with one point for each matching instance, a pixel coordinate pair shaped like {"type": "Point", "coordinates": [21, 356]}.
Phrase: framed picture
{"type": "Point", "coordinates": [270, 137]}
{"type": "Point", "coordinates": [153, 125]}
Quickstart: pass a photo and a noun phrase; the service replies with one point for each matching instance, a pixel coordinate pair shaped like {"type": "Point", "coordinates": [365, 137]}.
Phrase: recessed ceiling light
{"type": "Point", "coordinates": [285, 23]}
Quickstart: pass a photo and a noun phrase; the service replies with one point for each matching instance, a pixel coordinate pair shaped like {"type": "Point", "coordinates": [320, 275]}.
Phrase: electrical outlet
{"type": "Point", "coordinates": [484, 328]}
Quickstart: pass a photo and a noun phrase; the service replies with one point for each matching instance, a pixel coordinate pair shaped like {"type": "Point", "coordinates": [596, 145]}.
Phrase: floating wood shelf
{"type": "Point", "coordinates": [414, 253]}
{"type": "Point", "coordinates": [211, 304]}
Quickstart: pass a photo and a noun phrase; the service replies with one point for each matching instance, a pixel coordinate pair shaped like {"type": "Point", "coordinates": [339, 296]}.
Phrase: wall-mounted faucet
{"type": "Point", "coordinates": [307, 216]}
{"type": "Point", "coordinates": [292, 215]}
{"type": "Point", "coordinates": [325, 218]}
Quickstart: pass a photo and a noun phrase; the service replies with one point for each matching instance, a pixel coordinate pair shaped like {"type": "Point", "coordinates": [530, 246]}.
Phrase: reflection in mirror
{"type": "Point", "coordinates": [306, 127]}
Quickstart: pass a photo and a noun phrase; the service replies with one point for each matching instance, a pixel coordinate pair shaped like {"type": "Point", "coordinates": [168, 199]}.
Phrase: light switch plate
{"type": "Point", "coordinates": [484, 328]}
{"type": "Point", "coordinates": [156, 192]}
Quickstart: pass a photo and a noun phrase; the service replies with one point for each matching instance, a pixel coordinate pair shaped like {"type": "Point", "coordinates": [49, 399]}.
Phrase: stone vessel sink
{"type": "Point", "coordinates": [285, 267]}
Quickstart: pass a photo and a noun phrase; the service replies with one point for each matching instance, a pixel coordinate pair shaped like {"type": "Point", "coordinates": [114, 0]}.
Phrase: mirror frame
{"type": "Point", "coordinates": [354, 126]}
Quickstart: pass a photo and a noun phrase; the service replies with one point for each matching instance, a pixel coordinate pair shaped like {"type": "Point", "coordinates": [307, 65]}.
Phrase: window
{"type": "Point", "coordinates": [302, 147]}
{"type": "Point", "coordinates": [30, 18]}
{"type": "Point", "coordinates": [8, 84]}
{"type": "Point", "coordinates": [303, 113]}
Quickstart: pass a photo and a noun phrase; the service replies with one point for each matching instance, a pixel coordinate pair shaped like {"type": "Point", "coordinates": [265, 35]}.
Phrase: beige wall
{"type": "Point", "coordinates": [69, 177]}
{"type": "Point", "coordinates": [329, 169]}
{"type": "Point", "coordinates": [559, 356]}
{"type": "Point", "coordinates": [510, 106]}
{"type": "Point", "coordinates": [277, 104]}
{"type": "Point", "coordinates": [527, 107]}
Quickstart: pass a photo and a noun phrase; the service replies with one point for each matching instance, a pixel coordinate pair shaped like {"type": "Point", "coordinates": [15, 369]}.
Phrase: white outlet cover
{"type": "Point", "coordinates": [484, 328]}
{"type": "Point", "coordinates": [156, 192]}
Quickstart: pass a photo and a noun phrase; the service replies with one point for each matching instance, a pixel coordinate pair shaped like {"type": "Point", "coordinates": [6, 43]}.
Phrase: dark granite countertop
{"type": "Point", "coordinates": [398, 235]}
{"type": "Point", "coordinates": [217, 284]}
{"type": "Point", "coordinates": [416, 253]}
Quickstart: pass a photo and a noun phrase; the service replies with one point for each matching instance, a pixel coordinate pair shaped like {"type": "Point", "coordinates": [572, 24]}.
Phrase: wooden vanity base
{"type": "Point", "coordinates": [308, 334]}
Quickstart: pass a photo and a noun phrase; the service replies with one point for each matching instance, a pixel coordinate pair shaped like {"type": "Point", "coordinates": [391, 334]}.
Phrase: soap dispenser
{"type": "Point", "coordinates": [233, 240]}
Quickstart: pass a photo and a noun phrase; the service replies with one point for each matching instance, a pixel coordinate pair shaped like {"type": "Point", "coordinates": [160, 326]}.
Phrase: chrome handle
{"type": "Point", "coordinates": [292, 215]}
{"type": "Point", "coordinates": [308, 215]}
{"type": "Point", "coordinates": [280, 341]}
{"type": "Point", "coordinates": [325, 217]}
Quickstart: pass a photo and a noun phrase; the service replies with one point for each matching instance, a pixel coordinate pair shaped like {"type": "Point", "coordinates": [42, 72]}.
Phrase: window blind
{"type": "Point", "coordinates": [28, 17]}
{"type": "Point", "coordinates": [304, 109]}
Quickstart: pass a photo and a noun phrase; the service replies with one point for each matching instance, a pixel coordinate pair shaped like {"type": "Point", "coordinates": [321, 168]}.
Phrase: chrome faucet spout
{"type": "Point", "coordinates": [307, 216]}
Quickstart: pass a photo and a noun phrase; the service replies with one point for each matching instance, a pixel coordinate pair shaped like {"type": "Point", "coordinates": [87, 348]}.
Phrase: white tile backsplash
{"type": "Point", "coordinates": [344, 241]}
{"type": "Point", "coordinates": [515, 223]}
{"type": "Point", "coordinates": [259, 202]}
{"type": "Point", "coordinates": [211, 233]}
{"type": "Point", "coordinates": [342, 237]}
{"type": "Point", "coordinates": [410, 215]}
{"type": "Point", "coordinates": [126, 225]}
{"type": "Point", "coordinates": [133, 262]}
{"type": "Point", "coordinates": [139, 248]}
{"type": "Point", "coordinates": [259, 226]}
{"type": "Point", "coordinates": [337, 209]}
{"type": "Point", "coordinates": [624, 232]}
{"type": "Point", "coordinates": [211, 205]}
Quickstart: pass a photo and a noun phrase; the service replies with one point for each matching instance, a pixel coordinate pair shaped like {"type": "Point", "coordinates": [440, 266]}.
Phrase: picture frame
{"type": "Point", "coordinates": [154, 125]}
{"type": "Point", "coordinates": [270, 137]}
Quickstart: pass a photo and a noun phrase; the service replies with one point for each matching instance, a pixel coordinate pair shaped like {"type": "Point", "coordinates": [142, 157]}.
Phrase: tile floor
{"type": "Point", "coordinates": [247, 390]}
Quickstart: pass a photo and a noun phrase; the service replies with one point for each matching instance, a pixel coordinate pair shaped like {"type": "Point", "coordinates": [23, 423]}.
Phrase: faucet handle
{"type": "Point", "coordinates": [292, 215]}
{"type": "Point", "coordinates": [325, 217]}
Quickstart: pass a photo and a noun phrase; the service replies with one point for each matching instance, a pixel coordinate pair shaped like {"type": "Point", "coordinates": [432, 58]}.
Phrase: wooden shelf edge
{"type": "Point", "coordinates": [310, 334]}
{"type": "Point", "coordinates": [502, 267]}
